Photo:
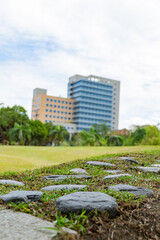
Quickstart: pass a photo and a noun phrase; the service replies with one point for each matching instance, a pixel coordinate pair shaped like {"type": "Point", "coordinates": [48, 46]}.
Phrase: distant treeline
{"type": "Point", "coordinates": [17, 129]}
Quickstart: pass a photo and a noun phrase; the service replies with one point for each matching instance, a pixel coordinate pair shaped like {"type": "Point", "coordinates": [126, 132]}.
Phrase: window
{"type": "Point", "coordinates": [65, 112]}
{"type": "Point", "coordinates": [66, 107]}
{"type": "Point", "coordinates": [50, 110]}
{"type": "Point", "coordinates": [62, 112]}
{"type": "Point", "coordinates": [58, 112]}
{"type": "Point", "coordinates": [58, 106]}
{"type": "Point", "coordinates": [65, 117]}
{"type": "Point", "coordinates": [62, 107]}
{"type": "Point", "coordinates": [46, 115]}
{"type": "Point", "coordinates": [50, 116]}
{"type": "Point", "coordinates": [45, 120]}
{"type": "Point", "coordinates": [62, 101]}
{"type": "Point", "coordinates": [59, 101]}
{"type": "Point", "coordinates": [51, 100]}
{"type": "Point", "coordinates": [55, 105]}
{"type": "Point", "coordinates": [57, 116]}
{"type": "Point", "coordinates": [69, 113]}
{"type": "Point", "coordinates": [51, 105]}
{"type": "Point", "coordinates": [46, 110]}
{"type": "Point", "coordinates": [66, 102]}
{"type": "Point", "coordinates": [50, 121]}
{"type": "Point", "coordinates": [69, 118]}
{"type": "Point", "coordinates": [54, 116]}
{"type": "Point", "coordinates": [61, 117]}
{"type": "Point", "coordinates": [55, 100]}
{"type": "Point", "coordinates": [70, 108]}
{"type": "Point", "coordinates": [47, 104]}
{"type": "Point", "coordinates": [54, 111]}
{"type": "Point", "coordinates": [47, 99]}
{"type": "Point", "coordinates": [70, 103]}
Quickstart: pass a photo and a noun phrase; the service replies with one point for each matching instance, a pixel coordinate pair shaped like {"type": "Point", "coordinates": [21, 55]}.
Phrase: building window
{"type": "Point", "coordinates": [46, 115]}
{"type": "Point", "coordinates": [62, 101]}
{"type": "Point", "coordinates": [65, 112]}
{"type": "Point", "coordinates": [54, 116]}
{"type": "Point", "coordinates": [58, 111]}
{"type": "Point", "coordinates": [70, 108]}
{"type": "Point", "coordinates": [58, 106]}
{"type": "Point", "coordinates": [47, 99]}
{"type": "Point", "coordinates": [62, 112]}
{"type": "Point", "coordinates": [54, 111]}
{"type": "Point", "coordinates": [55, 100]}
{"type": "Point", "coordinates": [50, 110]}
{"type": "Point", "coordinates": [62, 107]}
{"type": "Point", "coordinates": [46, 110]}
{"type": "Point", "coordinates": [66, 102]}
{"type": "Point", "coordinates": [65, 117]}
{"type": "Point", "coordinates": [50, 121]}
{"type": "Point", "coordinates": [69, 118]}
{"type": "Point", "coordinates": [47, 105]}
{"type": "Point", "coordinates": [59, 101]}
{"type": "Point", "coordinates": [45, 120]}
{"type": "Point", "coordinates": [66, 107]}
{"type": "Point", "coordinates": [61, 117]}
{"type": "Point", "coordinates": [70, 103]}
{"type": "Point", "coordinates": [50, 116]}
{"type": "Point", "coordinates": [57, 116]}
{"type": "Point", "coordinates": [51, 100]}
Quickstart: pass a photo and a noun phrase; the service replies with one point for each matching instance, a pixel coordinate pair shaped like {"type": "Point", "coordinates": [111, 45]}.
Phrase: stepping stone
{"type": "Point", "coordinates": [158, 160]}
{"type": "Point", "coordinates": [62, 177]}
{"type": "Point", "coordinates": [89, 201]}
{"type": "Point", "coordinates": [129, 159]}
{"type": "Point", "coordinates": [78, 170]}
{"type": "Point", "coordinates": [155, 165]}
{"type": "Point", "coordinates": [21, 196]}
{"type": "Point", "coordinates": [61, 187]}
{"type": "Point", "coordinates": [97, 163]}
{"type": "Point", "coordinates": [11, 182]}
{"type": "Point", "coordinates": [150, 169]}
{"type": "Point", "coordinates": [116, 176]}
{"type": "Point", "coordinates": [17, 226]}
{"type": "Point", "coordinates": [138, 191]}
{"type": "Point", "coordinates": [113, 171]}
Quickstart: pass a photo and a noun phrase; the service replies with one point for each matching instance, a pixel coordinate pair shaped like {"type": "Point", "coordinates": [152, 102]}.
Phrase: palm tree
{"type": "Point", "coordinates": [114, 140]}
{"type": "Point", "coordinates": [58, 134]}
{"type": "Point", "coordinates": [20, 132]}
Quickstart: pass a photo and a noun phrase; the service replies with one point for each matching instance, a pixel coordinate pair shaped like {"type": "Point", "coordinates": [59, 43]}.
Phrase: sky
{"type": "Point", "coordinates": [44, 42]}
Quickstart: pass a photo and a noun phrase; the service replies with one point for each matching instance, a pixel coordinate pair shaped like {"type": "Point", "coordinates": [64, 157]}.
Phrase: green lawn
{"type": "Point", "coordinates": [18, 158]}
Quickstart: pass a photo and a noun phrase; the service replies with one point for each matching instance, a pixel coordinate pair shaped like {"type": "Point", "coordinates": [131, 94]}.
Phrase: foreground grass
{"type": "Point", "coordinates": [18, 158]}
{"type": "Point", "coordinates": [139, 217]}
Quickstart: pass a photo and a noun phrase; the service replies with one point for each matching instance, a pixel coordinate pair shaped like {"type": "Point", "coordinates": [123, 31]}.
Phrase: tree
{"type": "Point", "coordinates": [114, 140]}
{"type": "Point", "coordinates": [102, 129]}
{"type": "Point", "coordinates": [138, 135]}
{"type": "Point", "coordinates": [8, 117]}
{"type": "Point", "coordinates": [152, 136]}
{"type": "Point", "coordinates": [58, 134]}
{"type": "Point", "coordinates": [20, 133]}
{"type": "Point", "coordinates": [91, 137]}
{"type": "Point", "coordinates": [38, 133]}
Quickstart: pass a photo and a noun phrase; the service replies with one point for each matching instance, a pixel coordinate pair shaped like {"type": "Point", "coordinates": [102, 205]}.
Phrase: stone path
{"type": "Point", "coordinates": [17, 225]}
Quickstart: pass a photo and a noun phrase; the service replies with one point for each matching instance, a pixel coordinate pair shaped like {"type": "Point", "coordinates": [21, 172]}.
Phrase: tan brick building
{"type": "Point", "coordinates": [51, 109]}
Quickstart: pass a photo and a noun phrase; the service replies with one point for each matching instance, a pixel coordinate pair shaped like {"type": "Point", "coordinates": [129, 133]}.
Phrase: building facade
{"type": "Point", "coordinates": [96, 100]}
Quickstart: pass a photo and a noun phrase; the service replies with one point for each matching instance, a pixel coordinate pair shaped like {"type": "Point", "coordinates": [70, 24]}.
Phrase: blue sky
{"type": "Point", "coordinates": [44, 42]}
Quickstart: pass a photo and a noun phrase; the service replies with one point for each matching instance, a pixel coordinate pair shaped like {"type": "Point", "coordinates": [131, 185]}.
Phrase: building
{"type": "Point", "coordinates": [52, 109]}
{"type": "Point", "coordinates": [96, 100]}
{"type": "Point", "coordinates": [123, 132]}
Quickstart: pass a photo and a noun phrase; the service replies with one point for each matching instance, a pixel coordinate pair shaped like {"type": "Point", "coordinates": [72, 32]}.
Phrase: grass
{"type": "Point", "coordinates": [138, 218]}
{"type": "Point", "coordinates": [16, 158]}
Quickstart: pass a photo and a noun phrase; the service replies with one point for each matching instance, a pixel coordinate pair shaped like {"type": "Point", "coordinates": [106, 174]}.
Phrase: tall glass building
{"type": "Point", "coordinates": [96, 100]}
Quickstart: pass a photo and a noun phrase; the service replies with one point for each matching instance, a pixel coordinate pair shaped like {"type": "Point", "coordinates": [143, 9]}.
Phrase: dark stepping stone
{"type": "Point", "coordinates": [129, 159]}
{"type": "Point", "coordinates": [150, 169]}
{"type": "Point", "coordinates": [113, 171]}
{"type": "Point", "coordinates": [89, 201]}
{"type": "Point", "coordinates": [62, 177]}
{"type": "Point", "coordinates": [155, 165]}
{"type": "Point", "coordinates": [116, 176]}
{"type": "Point", "coordinates": [21, 196]}
{"type": "Point", "coordinates": [97, 163]}
{"type": "Point", "coordinates": [78, 170]}
{"type": "Point", "coordinates": [61, 187]}
{"type": "Point", "coordinates": [11, 182]}
{"type": "Point", "coordinates": [138, 191]}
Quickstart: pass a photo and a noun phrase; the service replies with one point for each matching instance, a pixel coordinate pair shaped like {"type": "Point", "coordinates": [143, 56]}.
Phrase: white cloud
{"type": "Point", "coordinates": [118, 39]}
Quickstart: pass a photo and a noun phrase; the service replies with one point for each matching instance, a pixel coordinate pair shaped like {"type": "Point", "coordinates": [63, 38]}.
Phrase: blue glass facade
{"type": "Point", "coordinates": [93, 102]}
